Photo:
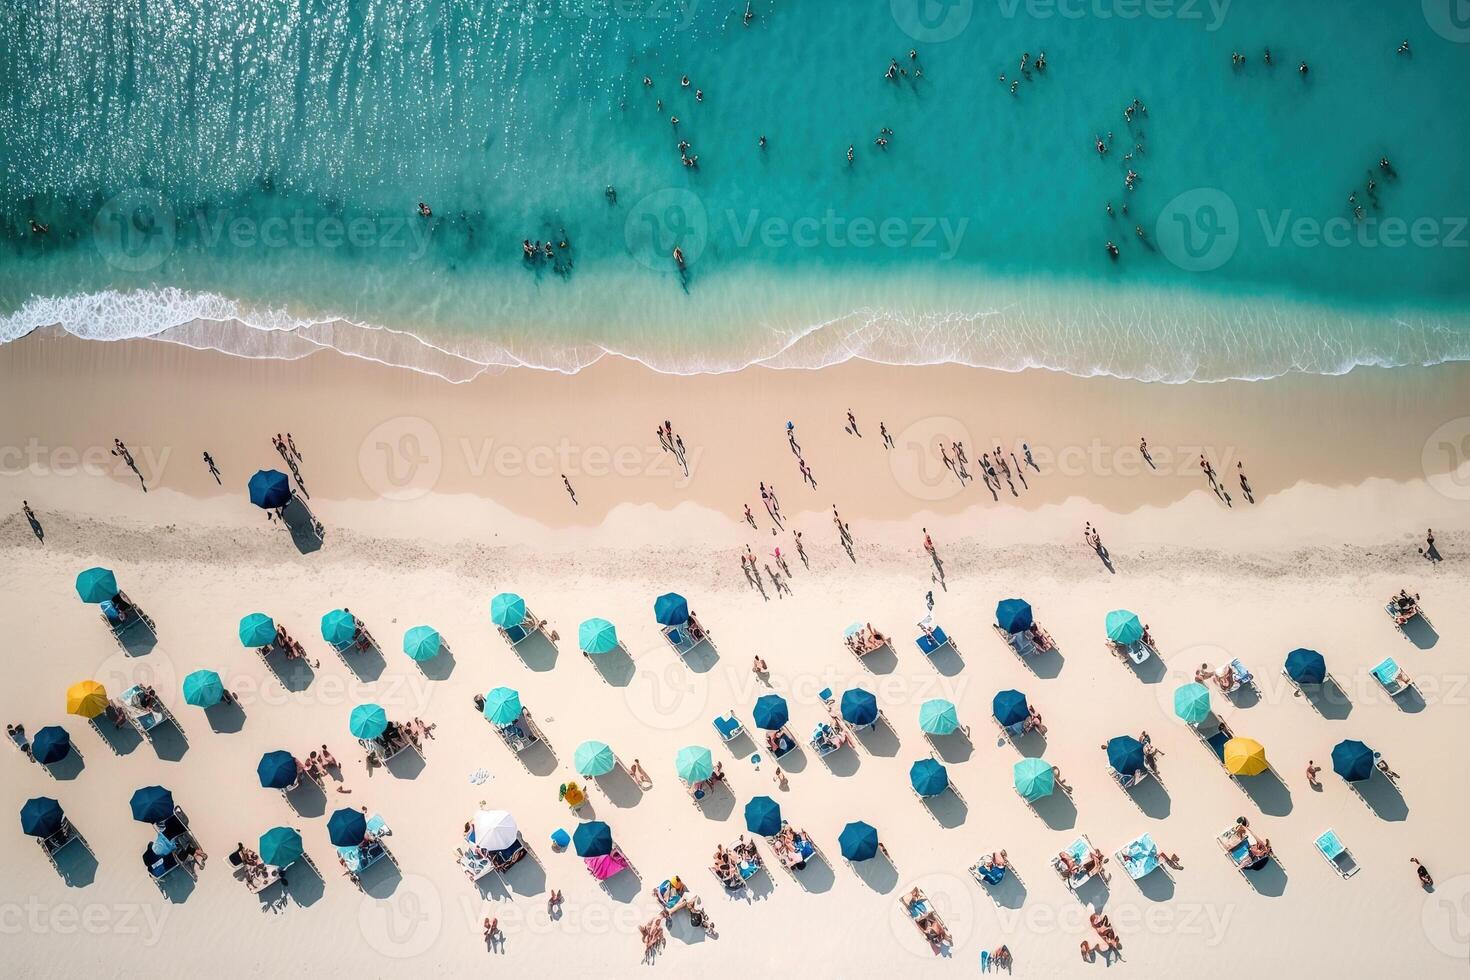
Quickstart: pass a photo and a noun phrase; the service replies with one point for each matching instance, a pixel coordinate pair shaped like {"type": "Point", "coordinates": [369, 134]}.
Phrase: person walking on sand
{"type": "Point", "coordinates": [887, 438]}
{"type": "Point", "coordinates": [1245, 486]}
{"type": "Point", "coordinates": [749, 517]}
{"type": "Point", "coordinates": [791, 437]}
{"type": "Point", "coordinates": [800, 548]}
{"type": "Point", "coordinates": [1209, 471]}
{"type": "Point", "coordinates": [1425, 878]}
{"type": "Point", "coordinates": [213, 469]}
{"type": "Point", "coordinates": [570, 492]}
{"type": "Point", "coordinates": [1312, 770]}
{"type": "Point", "coordinates": [852, 424]}
{"type": "Point", "coordinates": [663, 441]}
{"type": "Point", "coordinates": [36, 529]}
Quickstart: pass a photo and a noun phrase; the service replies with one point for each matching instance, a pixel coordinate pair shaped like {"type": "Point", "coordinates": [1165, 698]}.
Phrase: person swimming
{"type": "Point", "coordinates": [424, 210]}
{"type": "Point", "coordinates": [1113, 251]}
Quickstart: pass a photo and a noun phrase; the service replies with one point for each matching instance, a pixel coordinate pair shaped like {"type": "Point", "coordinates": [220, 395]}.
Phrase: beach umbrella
{"type": "Point", "coordinates": [763, 816]}
{"type": "Point", "coordinates": [347, 827]}
{"type": "Point", "coordinates": [503, 706]}
{"type": "Point", "coordinates": [1009, 708]}
{"type": "Point", "coordinates": [507, 610]}
{"type": "Point", "coordinates": [152, 804]}
{"type": "Point", "coordinates": [256, 630]}
{"type": "Point", "coordinates": [694, 763]}
{"type": "Point", "coordinates": [858, 841]}
{"type": "Point", "coordinates": [494, 830]}
{"type": "Point", "coordinates": [938, 717]}
{"type": "Point", "coordinates": [605, 866]}
{"type": "Point", "coordinates": [597, 636]}
{"type": "Point", "coordinates": [97, 585]}
{"type": "Point", "coordinates": [1245, 757]}
{"type": "Point", "coordinates": [1306, 666]}
{"type": "Point", "coordinates": [421, 643]}
{"type": "Point", "coordinates": [770, 712]}
{"type": "Point", "coordinates": [276, 770]}
{"type": "Point", "coordinates": [928, 777]}
{"type": "Point", "coordinates": [594, 758]}
{"type": "Point", "coordinates": [1192, 702]}
{"type": "Point", "coordinates": [280, 846]}
{"type": "Point", "coordinates": [203, 689]}
{"type": "Point", "coordinates": [1124, 627]}
{"type": "Point", "coordinates": [859, 707]}
{"type": "Point", "coordinates": [1125, 754]}
{"type": "Point", "coordinates": [671, 609]}
{"type": "Point", "coordinates": [41, 816]}
{"type": "Point", "coordinates": [339, 627]}
{"type": "Point", "coordinates": [86, 698]}
{"type": "Point", "coordinates": [1034, 779]}
{"type": "Point", "coordinates": [592, 839]}
{"type": "Point", "coordinates": [51, 745]}
{"type": "Point", "coordinates": [269, 489]}
{"type": "Point", "coordinates": [367, 721]}
{"type": "Point", "coordinates": [1352, 760]}
{"type": "Point", "coordinates": [1013, 615]}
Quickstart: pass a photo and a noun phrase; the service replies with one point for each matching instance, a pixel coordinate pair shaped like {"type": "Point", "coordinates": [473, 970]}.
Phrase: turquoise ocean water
{"type": "Point", "coordinates": [245, 175]}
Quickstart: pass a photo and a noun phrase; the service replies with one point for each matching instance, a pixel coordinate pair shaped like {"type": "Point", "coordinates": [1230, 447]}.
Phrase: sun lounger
{"type": "Point", "coordinates": [933, 638]}
{"type": "Point", "coordinates": [1240, 677]}
{"type": "Point", "coordinates": [53, 845]}
{"type": "Point", "coordinates": [520, 734]}
{"type": "Point", "coordinates": [144, 713]}
{"type": "Point", "coordinates": [1020, 643]}
{"type": "Point", "coordinates": [729, 727]}
{"type": "Point", "coordinates": [121, 617]}
{"type": "Point", "coordinates": [474, 865]}
{"type": "Point", "coordinates": [1213, 735]}
{"type": "Point", "coordinates": [1136, 653]}
{"type": "Point", "coordinates": [259, 879]}
{"type": "Point", "coordinates": [827, 738]}
{"type": "Point", "coordinates": [1139, 857]}
{"type": "Point", "coordinates": [1336, 854]}
{"type": "Point", "coordinates": [921, 908]}
{"type": "Point", "coordinates": [1080, 851]}
{"type": "Point", "coordinates": [785, 743]}
{"type": "Point", "coordinates": [1402, 614]}
{"type": "Point", "coordinates": [672, 899]}
{"type": "Point", "coordinates": [356, 860]}
{"type": "Point", "coordinates": [528, 626]}
{"type": "Point", "coordinates": [1237, 848]}
{"type": "Point", "coordinates": [378, 827]}
{"type": "Point", "coordinates": [1132, 779]}
{"type": "Point", "coordinates": [160, 866]}
{"type": "Point", "coordinates": [798, 854]}
{"type": "Point", "coordinates": [987, 872]}
{"type": "Point", "coordinates": [1392, 677]}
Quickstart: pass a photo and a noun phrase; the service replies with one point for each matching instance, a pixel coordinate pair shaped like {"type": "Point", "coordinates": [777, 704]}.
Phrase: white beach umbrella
{"type": "Point", "coordinates": [495, 830]}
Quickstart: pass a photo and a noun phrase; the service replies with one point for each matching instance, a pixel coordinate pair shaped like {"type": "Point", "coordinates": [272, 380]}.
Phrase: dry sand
{"type": "Point", "coordinates": [1348, 473]}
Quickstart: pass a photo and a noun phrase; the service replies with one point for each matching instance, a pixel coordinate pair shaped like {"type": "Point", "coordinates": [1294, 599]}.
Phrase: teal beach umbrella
{"type": "Point", "coordinates": [203, 689]}
{"type": "Point", "coordinates": [503, 706]}
{"type": "Point", "coordinates": [928, 777]}
{"type": "Point", "coordinates": [256, 630]}
{"type": "Point", "coordinates": [507, 610]}
{"type": "Point", "coordinates": [1034, 779]}
{"type": "Point", "coordinates": [938, 717]}
{"type": "Point", "coordinates": [421, 643]}
{"type": "Point", "coordinates": [594, 759]}
{"type": "Point", "coordinates": [96, 585]}
{"type": "Point", "coordinates": [597, 636]}
{"type": "Point", "coordinates": [694, 763]}
{"type": "Point", "coordinates": [671, 609]}
{"type": "Point", "coordinates": [1124, 627]}
{"type": "Point", "coordinates": [367, 721]}
{"type": "Point", "coordinates": [280, 846]}
{"type": "Point", "coordinates": [1192, 703]}
{"type": "Point", "coordinates": [338, 627]}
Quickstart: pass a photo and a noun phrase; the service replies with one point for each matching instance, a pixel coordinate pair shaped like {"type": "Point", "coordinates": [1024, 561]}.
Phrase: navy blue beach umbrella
{"type": "Point", "coordinates": [41, 816]}
{"type": "Point", "coordinates": [1009, 708]}
{"type": "Point", "coordinates": [1125, 754]}
{"type": "Point", "coordinates": [770, 712]}
{"type": "Point", "coordinates": [859, 707]}
{"type": "Point", "coordinates": [51, 745]}
{"type": "Point", "coordinates": [592, 839]}
{"type": "Point", "coordinates": [1013, 615]}
{"type": "Point", "coordinates": [1306, 666]}
{"type": "Point", "coordinates": [763, 816]}
{"type": "Point", "coordinates": [347, 827]}
{"type": "Point", "coordinates": [858, 841]}
{"type": "Point", "coordinates": [152, 804]}
{"type": "Point", "coordinates": [1352, 760]}
{"type": "Point", "coordinates": [269, 489]}
{"type": "Point", "coordinates": [276, 770]}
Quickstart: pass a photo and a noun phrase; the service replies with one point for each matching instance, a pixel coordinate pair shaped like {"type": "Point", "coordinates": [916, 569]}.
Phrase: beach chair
{"type": "Point", "coordinates": [785, 743]}
{"type": "Point", "coordinates": [1139, 857]}
{"type": "Point", "coordinates": [1133, 779]}
{"type": "Point", "coordinates": [933, 638]}
{"type": "Point", "coordinates": [1080, 851]}
{"type": "Point", "coordinates": [520, 734]}
{"type": "Point", "coordinates": [261, 879]}
{"type": "Point", "coordinates": [1336, 854]}
{"type": "Point", "coordinates": [1019, 643]}
{"type": "Point", "coordinates": [503, 860]}
{"type": "Point", "coordinates": [144, 718]}
{"type": "Point", "coordinates": [860, 647]}
{"type": "Point", "coordinates": [1391, 677]}
{"type": "Point", "coordinates": [160, 866]}
{"type": "Point", "coordinates": [919, 909]}
{"type": "Point", "coordinates": [988, 874]}
{"type": "Point", "coordinates": [357, 859]}
{"type": "Point", "coordinates": [801, 851]}
{"type": "Point", "coordinates": [1402, 615]}
{"type": "Point", "coordinates": [1010, 732]}
{"type": "Point", "coordinates": [65, 835]}
{"type": "Point", "coordinates": [122, 617]}
{"type": "Point", "coordinates": [671, 897]}
{"type": "Point", "coordinates": [474, 865]}
{"type": "Point", "coordinates": [1213, 736]}
{"type": "Point", "coordinates": [729, 727]}
{"type": "Point", "coordinates": [1240, 677]}
{"type": "Point", "coordinates": [1135, 653]}
{"type": "Point", "coordinates": [827, 737]}
{"type": "Point", "coordinates": [1237, 848]}
{"type": "Point", "coordinates": [527, 627]}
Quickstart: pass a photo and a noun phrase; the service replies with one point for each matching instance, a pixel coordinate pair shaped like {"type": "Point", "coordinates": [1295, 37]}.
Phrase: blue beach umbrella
{"type": "Point", "coordinates": [41, 816]}
{"type": "Point", "coordinates": [594, 758]}
{"type": "Point", "coordinates": [51, 745]}
{"type": "Point", "coordinates": [367, 721]}
{"type": "Point", "coordinates": [256, 630]}
{"type": "Point", "coordinates": [763, 816]}
{"type": "Point", "coordinates": [1192, 702]}
{"type": "Point", "coordinates": [269, 489]}
{"type": "Point", "coordinates": [96, 585]}
{"type": "Point", "coordinates": [152, 804]}
{"type": "Point", "coordinates": [1352, 760]}
{"type": "Point", "coordinates": [770, 712]}
{"type": "Point", "coordinates": [507, 610]}
{"type": "Point", "coordinates": [339, 627]}
{"type": "Point", "coordinates": [1009, 708]}
{"type": "Point", "coordinates": [280, 846]}
{"type": "Point", "coordinates": [1306, 666]}
{"type": "Point", "coordinates": [1125, 754]}
{"type": "Point", "coordinates": [276, 770]}
{"type": "Point", "coordinates": [597, 636]}
{"type": "Point", "coordinates": [928, 777]}
{"type": "Point", "coordinates": [671, 609]}
{"type": "Point", "coordinates": [938, 717]}
{"type": "Point", "coordinates": [203, 689]}
{"type": "Point", "coordinates": [1123, 626]}
{"type": "Point", "coordinates": [503, 706]}
{"type": "Point", "coordinates": [592, 839]}
{"type": "Point", "coordinates": [858, 841]}
{"type": "Point", "coordinates": [347, 827]}
{"type": "Point", "coordinates": [1013, 615]}
{"type": "Point", "coordinates": [1034, 779]}
{"type": "Point", "coordinates": [421, 643]}
{"type": "Point", "coordinates": [859, 707]}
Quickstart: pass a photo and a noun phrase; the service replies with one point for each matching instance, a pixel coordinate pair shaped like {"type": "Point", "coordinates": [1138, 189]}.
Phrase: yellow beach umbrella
{"type": "Point", "coordinates": [87, 698]}
{"type": "Point", "coordinates": [1245, 757]}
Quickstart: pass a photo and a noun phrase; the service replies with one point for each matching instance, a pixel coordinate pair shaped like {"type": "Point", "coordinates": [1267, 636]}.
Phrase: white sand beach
{"type": "Point", "coordinates": [435, 497]}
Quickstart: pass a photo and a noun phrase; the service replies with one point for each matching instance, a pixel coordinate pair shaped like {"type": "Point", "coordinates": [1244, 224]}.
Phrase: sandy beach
{"type": "Point", "coordinates": [435, 497]}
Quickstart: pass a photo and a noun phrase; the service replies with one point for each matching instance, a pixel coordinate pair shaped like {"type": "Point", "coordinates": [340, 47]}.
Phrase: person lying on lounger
{"type": "Point", "coordinates": [1033, 722]}
{"type": "Point", "coordinates": [1069, 866]}
{"type": "Point", "coordinates": [1260, 849]}
{"type": "Point", "coordinates": [1040, 639]}
{"type": "Point", "coordinates": [933, 929]}
{"type": "Point", "coordinates": [1225, 677]}
{"type": "Point", "coordinates": [778, 743]}
{"type": "Point", "coordinates": [1094, 862]}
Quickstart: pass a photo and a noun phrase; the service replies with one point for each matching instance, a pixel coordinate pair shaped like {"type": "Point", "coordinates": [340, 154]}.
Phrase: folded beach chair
{"type": "Point", "coordinates": [729, 727]}
{"type": "Point", "coordinates": [1336, 854]}
{"type": "Point", "coordinates": [1391, 677]}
